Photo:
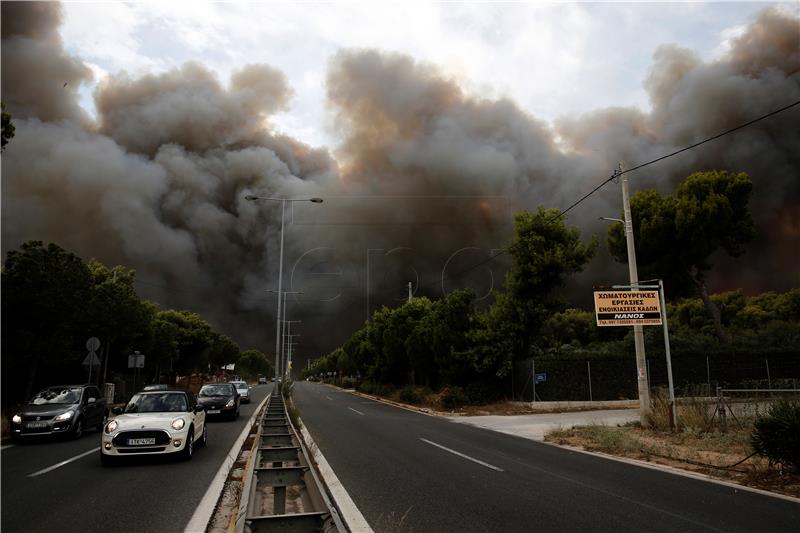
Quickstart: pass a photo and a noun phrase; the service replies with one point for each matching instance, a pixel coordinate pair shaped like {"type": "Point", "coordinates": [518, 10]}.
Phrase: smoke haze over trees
{"type": "Point", "coordinates": [424, 182]}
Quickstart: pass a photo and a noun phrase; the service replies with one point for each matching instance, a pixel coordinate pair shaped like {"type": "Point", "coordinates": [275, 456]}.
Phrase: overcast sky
{"type": "Point", "coordinates": [553, 59]}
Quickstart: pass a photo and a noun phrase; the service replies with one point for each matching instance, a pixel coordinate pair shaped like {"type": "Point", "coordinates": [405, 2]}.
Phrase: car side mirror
{"type": "Point", "coordinates": [92, 400]}
{"type": "Point", "coordinates": [198, 408]}
{"type": "Point", "coordinates": [118, 410]}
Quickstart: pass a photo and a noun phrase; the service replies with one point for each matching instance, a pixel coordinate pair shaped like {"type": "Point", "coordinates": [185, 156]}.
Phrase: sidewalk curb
{"type": "Point", "coordinates": [672, 470]}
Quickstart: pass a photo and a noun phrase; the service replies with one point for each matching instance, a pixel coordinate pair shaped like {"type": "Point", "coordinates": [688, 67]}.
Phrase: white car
{"type": "Point", "coordinates": [155, 423]}
{"type": "Point", "coordinates": [243, 389]}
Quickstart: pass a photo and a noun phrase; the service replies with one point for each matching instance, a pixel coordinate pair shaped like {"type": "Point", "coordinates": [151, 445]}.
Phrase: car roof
{"type": "Point", "coordinates": [162, 391]}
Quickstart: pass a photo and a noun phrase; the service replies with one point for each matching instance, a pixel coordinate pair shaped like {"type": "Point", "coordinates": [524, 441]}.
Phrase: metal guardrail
{"type": "Point", "coordinates": [284, 491]}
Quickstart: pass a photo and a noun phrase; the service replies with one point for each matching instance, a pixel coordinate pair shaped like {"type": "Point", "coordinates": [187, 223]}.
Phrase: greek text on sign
{"type": "Point", "coordinates": [627, 308]}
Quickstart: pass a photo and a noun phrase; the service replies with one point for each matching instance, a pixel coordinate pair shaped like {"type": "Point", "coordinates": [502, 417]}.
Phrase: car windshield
{"type": "Point", "coordinates": [56, 395]}
{"type": "Point", "coordinates": [170, 402]}
{"type": "Point", "coordinates": [216, 390]}
{"type": "Point", "coordinates": [241, 385]}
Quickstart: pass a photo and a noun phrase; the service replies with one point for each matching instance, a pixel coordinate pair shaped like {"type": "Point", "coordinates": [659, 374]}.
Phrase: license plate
{"type": "Point", "coordinates": [141, 442]}
{"type": "Point", "coordinates": [213, 411]}
{"type": "Point", "coordinates": [36, 425]}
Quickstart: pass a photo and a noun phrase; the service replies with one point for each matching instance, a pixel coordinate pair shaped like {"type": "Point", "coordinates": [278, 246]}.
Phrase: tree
{"type": "Point", "coordinates": [545, 253]}
{"type": "Point", "coordinates": [676, 236]}
{"type": "Point", "coordinates": [46, 293]}
{"type": "Point", "coordinates": [116, 314]}
{"type": "Point", "coordinates": [8, 128]}
{"type": "Point", "coordinates": [254, 362]}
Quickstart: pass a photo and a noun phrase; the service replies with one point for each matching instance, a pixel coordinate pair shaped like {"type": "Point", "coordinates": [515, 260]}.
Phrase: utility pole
{"type": "Point", "coordinates": [638, 333]}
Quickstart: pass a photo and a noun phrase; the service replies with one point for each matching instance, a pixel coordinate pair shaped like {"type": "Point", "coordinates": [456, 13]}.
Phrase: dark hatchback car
{"type": "Point", "coordinates": [61, 410]}
{"type": "Point", "coordinates": [219, 400]}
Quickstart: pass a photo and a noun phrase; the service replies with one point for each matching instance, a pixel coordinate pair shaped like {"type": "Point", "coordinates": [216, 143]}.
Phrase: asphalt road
{"type": "Point", "coordinates": [411, 472]}
{"type": "Point", "coordinates": [146, 494]}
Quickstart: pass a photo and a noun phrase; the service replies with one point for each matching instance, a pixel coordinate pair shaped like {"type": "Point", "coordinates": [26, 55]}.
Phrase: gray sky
{"type": "Point", "coordinates": [535, 53]}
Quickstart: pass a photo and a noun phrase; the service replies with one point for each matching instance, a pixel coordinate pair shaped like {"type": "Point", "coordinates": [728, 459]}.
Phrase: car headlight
{"type": "Point", "coordinates": [178, 423]}
{"type": "Point", "coordinates": [111, 426]}
{"type": "Point", "coordinates": [63, 416]}
{"type": "Point", "coordinates": [230, 403]}
{"type": "Point", "coordinates": [16, 419]}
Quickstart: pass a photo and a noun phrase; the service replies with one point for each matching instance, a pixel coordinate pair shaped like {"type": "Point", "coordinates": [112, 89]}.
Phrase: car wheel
{"type": "Point", "coordinates": [77, 430]}
{"type": "Point", "coordinates": [188, 449]}
{"type": "Point", "coordinates": [204, 439]}
{"type": "Point", "coordinates": [107, 460]}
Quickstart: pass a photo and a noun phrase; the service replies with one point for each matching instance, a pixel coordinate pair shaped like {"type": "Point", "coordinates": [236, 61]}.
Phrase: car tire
{"type": "Point", "coordinates": [204, 439]}
{"type": "Point", "coordinates": [107, 460]}
{"type": "Point", "coordinates": [77, 429]}
{"type": "Point", "coordinates": [188, 448]}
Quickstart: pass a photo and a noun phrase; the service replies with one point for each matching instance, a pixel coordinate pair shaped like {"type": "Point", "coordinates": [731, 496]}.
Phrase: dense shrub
{"type": "Point", "coordinates": [480, 394]}
{"type": "Point", "coordinates": [452, 397]}
{"type": "Point", "coordinates": [409, 394]}
{"type": "Point", "coordinates": [777, 435]}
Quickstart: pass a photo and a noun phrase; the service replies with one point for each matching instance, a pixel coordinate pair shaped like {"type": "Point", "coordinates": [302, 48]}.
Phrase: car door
{"type": "Point", "coordinates": [99, 406]}
{"type": "Point", "coordinates": [199, 417]}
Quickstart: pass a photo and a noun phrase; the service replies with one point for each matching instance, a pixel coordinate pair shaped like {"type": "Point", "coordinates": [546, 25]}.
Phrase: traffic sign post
{"type": "Point", "coordinates": [628, 305]}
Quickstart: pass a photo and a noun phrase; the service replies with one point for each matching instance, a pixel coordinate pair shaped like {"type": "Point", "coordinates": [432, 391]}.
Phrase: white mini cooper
{"type": "Point", "coordinates": [155, 423]}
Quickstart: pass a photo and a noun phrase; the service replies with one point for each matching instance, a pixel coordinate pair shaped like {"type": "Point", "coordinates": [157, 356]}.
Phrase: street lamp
{"type": "Point", "coordinates": [638, 332]}
{"type": "Point", "coordinates": [283, 201]}
{"type": "Point", "coordinates": [283, 322]}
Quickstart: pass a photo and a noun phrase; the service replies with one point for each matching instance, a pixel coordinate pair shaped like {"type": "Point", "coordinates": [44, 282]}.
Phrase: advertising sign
{"type": "Point", "coordinates": [627, 308]}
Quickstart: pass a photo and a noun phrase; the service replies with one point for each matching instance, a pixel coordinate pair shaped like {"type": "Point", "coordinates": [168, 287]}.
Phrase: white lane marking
{"type": "Point", "coordinates": [202, 515]}
{"type": "Point", "coordinates": [6, 446]}
{"type": "Point", "coordinates": [467, 457]}
{"type": "Point", "coordinates": [352, 516]}
{"type": "Point", "coordinates": [328, 397]}
{"type": "Point", "coordinates": [355, 411]}
{"type": "Point", "coordinates": [62, 463]}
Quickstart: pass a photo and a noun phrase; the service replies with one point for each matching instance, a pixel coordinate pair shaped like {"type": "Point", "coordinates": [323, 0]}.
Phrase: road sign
{"type": "Point", "coordinates": [91, 359]}
{"type": "Point", "coordinates": [92, 344]}
{"type": "Point", "coordinates": [627, 308]}
{"type": "Point", "coordinates": [136, 360]}
{"type": "Point", "coordinates": [540, 377]}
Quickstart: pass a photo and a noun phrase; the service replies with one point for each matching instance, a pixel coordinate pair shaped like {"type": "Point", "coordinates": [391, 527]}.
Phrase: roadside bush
{"type": "Point", "coordinates": [479, 394]}
{"type": "Point", "coordinates": [452, 397]}
{"type": "Point", "coordinates": [409, 394]}
{"type": "Point", "coordinates": [367, 387]}
{"type": "Point", "coordinates": [777, 435]}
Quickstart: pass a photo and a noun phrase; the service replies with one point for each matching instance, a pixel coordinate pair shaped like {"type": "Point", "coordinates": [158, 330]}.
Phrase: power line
{"type": "Point", "coordinates": [617, 174]}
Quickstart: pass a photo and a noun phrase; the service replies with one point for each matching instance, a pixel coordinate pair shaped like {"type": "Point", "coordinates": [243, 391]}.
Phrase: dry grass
{"type": "Point", "coordinates": [710, 453]}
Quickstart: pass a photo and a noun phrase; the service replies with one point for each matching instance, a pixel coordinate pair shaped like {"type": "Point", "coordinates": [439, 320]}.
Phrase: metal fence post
{"type": "Point", "coordinates": [723, 422]}
{"type": "Point", "coordinates": [769, 380]}
{"type": "Point", "coordinates": [708, 376]}
{"type": "Point", "coordinates": [589, 370]}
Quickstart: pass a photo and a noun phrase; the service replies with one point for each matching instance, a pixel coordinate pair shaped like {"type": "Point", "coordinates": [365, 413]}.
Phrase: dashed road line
{"type": "Point", "coordinates": [356, 411]}
{"type": "Point", "coordinates": [62, 463]}
{"type": "Point", "coordinates": [464, 456]}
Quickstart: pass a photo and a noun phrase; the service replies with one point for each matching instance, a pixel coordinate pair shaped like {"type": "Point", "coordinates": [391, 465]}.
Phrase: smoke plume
{"type": "Point", "coordinates": [422, 184]}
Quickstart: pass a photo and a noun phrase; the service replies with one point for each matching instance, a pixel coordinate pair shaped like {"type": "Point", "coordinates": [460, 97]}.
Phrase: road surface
{"type": "Point", "coordinates": [410, 472]}
{"type": "Point", "coordinates": [148, 494]}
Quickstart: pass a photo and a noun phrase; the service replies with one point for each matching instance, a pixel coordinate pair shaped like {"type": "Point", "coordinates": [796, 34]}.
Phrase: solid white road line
{"type": "Point", "coordinates": [467, 457]}
{"type": "Point", "coordinates": [6, 446]}
{"type": "Point", "coordinates": [199, 521]}
{"type": "Point", "coordinates": [348, 510]}
{"type": "Point", "coordinates": [355, 411]}
{"type": "Point", "coordinates": [62, 463]}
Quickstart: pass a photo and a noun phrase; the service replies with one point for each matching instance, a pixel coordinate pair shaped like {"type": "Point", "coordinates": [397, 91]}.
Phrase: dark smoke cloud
{"type": "Point", "coordinates": [424, 181]}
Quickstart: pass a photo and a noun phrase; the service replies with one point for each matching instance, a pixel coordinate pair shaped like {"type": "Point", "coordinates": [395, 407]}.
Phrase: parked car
{"type": "Point", "coordinates": [160, 422]}
{"type": "Point", "coordinates": [262, 380]}
{"type": "Point", "coordinates": [219, 399]}
{"type": "Point", "coordinates": [243, 389]}
{"type": "Point", "coordinates": [61, 409]}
